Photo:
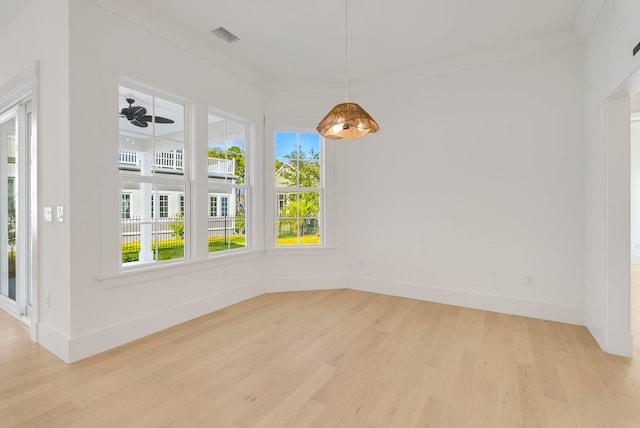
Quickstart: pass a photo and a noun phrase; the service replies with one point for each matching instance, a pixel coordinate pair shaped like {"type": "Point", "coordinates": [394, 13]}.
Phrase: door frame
{"type": "Point", "coordinates": [17, 91]}
{"type": "Point", "coordinates": [617, 305]}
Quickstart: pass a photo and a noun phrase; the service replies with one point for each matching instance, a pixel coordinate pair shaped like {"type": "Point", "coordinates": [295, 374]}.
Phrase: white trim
{"type": "Point", "coordinates": [589, 11]}
{"type": "Point", "coordinates": [53, 340]}
{"type": "Point", "coordinates": [567, 313]}
{"type": "Point", "coordinates": [436, 67]}
{"type": "Point", "coordinates": [99, 341]}
{"type": "Point", "coordinates": [154, 271]}
{"type": "Point", "coordinates": [89, 344]}
{"type": "Point", "coordinates": [300, 250]}
{"type": "Point", "coordinates": [552, 311]}
{"type": "Point", "coordinates": [274, 190]}
{"type": "Point", "coordinates": [15, 94]}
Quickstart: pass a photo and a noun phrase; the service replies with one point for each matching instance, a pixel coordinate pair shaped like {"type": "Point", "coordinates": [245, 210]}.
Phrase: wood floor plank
{"type": "Point", "coordinates": [327, 359]}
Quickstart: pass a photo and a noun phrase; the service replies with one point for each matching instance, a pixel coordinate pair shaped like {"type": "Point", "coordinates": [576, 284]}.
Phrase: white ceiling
{"type": "Point", "coordinates": [298, 39]}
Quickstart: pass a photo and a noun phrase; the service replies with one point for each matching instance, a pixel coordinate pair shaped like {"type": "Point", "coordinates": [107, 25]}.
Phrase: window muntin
{"type": "Point", "coordinates": [150, 237]}
{"type": "Point", "coordinates": [157, 148]}
{"type": "Point", "coordinates": [126, 205]}
{"type": "Point", "coordinates": [164, 206]}
{"type": "Point", "coordinates": [228, 177]}
{"type": "Point", "coordinates": [213, 206]}
{"type": "Point", "coordinates": [153, 179]}
{"type": "Point", "coordinates": [299, 193]}
{"type": "Point", "coordinates": [154, 174]}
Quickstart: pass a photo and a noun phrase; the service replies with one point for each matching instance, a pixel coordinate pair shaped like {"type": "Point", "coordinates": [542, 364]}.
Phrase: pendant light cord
{"type": "Point", "coordinates": [346, 52]}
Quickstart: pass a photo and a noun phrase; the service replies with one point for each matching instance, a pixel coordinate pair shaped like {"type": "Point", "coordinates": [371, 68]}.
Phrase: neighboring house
{"type": "Point", "coordinates": [281, 181]}
{"type": "Point", "coordinates": [171, 204]}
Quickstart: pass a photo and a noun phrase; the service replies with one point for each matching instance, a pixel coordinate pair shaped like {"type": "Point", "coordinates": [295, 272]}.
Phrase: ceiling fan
{"type": "Point", "coordinates": [138, 115]}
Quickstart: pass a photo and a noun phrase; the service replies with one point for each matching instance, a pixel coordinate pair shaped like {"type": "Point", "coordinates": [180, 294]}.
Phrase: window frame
{"type": "Point", "coordinates": [225, 188]}
{"type": "Point", "coordinates": [113, 272]}
{"type": "Point", "coordinates": [125, 213]}
{"type": "Point", "coordinates": [278, 191]}
{"type": "Point", "coordinates": [155, 180]}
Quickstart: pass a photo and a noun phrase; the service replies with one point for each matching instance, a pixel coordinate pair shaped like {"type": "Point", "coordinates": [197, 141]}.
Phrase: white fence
{"type": "Point", "coordinates": [174, 161]}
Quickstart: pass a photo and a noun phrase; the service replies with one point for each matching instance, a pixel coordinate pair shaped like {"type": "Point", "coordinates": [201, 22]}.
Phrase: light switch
{"type": "Point", "coordinates": [60, 214]}
{"type": "Point", "coordinates": [48, 214]}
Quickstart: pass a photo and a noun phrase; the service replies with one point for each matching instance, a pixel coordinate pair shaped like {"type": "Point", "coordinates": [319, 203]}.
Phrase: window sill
{"type": "Point", "coordinates": [153, 272]}
{"type": "Point", "coordinates": [300, 251]}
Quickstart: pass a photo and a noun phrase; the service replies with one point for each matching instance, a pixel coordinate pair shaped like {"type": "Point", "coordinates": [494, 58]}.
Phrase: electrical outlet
{"type": "Point", "coordinates": [529, 280]}
{"type": "Point", "coordinates": [360, 264]}
{"type": "Point", "coordinates": [226, 274]}
{"type": "Point", "coordinates": [47, 299]}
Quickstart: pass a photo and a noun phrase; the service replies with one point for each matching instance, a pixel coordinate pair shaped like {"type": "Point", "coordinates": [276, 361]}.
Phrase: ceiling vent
{"type": "Point", "coordinates": [225, 35]}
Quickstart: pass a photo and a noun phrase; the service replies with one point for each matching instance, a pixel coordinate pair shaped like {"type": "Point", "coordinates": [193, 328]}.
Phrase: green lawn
{"type": "Point", "coordinates": [304, 240]}
{"type": "Point", "coordinates": [173, 249]}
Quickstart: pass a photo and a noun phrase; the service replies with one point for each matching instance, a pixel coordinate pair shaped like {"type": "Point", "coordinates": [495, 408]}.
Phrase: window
{"type": "Point", "coordinates": [154, 158]}
{"type": "Point", "coordinates": [228, 184]}
{"type": "Point", "coordinates": [299, 193]}
{"type": "Point", "coordinates": [152, 174]}
{"type": "Point", "coordinates": [126, 205]}
{"type": "Point", "coordinates": [213, 206]}
{"type": "Point", "coordinates": [224, 206]}
{"type": "Point", "coordinates": [164, 206]}
{"type": "Point", "coordinates": [280, 204]}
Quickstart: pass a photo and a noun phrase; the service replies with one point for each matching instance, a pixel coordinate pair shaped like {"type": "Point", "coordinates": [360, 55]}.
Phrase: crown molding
{"type": "Point", "coordinates": [520, 48]}
{"type": "Point", "coordinates": [589, 11]}
{"type": "Point", "coordinates": [180, 37]}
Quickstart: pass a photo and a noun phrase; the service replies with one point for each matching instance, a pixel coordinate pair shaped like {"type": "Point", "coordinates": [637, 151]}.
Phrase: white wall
{"type": "Point", "coordinates": [474, 181]}
{"type": "Point", "coordinates": [110, 308]}
{"type": "Point", "coordinates": [25, 40]}
{"type": "Point", "coordinates": [608, 68]}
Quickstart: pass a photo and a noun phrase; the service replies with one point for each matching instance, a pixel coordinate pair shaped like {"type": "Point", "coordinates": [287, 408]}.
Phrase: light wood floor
{"type": "Point", "coordinates": [329, 359]}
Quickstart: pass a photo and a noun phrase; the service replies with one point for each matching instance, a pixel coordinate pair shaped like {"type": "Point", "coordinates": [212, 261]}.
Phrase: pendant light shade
{"type": "Point", "coordinates": [347, 120]}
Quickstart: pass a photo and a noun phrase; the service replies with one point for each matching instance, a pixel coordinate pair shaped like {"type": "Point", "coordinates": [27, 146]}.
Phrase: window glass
{"type": "Point", "coordinates": [227, 175]}
{"type": "Point", "coordinates": [151, 164]}
{"type": "Point", "coordinates": [298, 168]}
{"type": "Point", "coordinates": [152, 134]}
{"type": "Point", "coordinates": [147, 235]}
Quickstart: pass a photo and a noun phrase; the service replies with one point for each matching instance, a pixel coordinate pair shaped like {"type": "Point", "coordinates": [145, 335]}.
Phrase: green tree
{"type": "Point", "coordinates": [177, 227]}
{"type": "Point", "coordinates": [300, 208]}
{"type": "Point", "coordinates": [304, 171]}
{"type": "Point", "coordinates": [234, 152]}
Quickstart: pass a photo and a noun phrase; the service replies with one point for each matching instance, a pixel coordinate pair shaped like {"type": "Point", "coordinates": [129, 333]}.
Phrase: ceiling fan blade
{"type": "Point", "coordinates": [157, 119]}
{"type": "Point", "coordinates": [140, 122]}
{"type": "Point", "coordinates": [137, 111]}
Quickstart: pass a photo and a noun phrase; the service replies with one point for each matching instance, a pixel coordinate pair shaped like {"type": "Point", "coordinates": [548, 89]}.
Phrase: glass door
{"type": "Point", "coordinates": [14, 281]}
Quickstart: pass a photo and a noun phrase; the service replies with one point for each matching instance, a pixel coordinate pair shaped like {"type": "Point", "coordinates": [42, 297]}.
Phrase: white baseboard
{"type": "Point", "coordinates": [54, 341]}
{"type": "Point", "coordinates": [279, 285]}
{"type": "Point", "coordinates": [71, 350]}
{"type": "Point", "coordinates": [571, 314]}
{"type": "Point", "coordinates": [99, 341]}
{"type": "Point", "coordinates": [623, 346]}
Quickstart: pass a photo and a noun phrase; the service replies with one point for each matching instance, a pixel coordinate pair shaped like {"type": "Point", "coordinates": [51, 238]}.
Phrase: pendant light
{"type": "Point", "coordinates": [346, 120]}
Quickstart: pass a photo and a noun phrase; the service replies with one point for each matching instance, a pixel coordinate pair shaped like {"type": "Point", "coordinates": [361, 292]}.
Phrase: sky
{"type": "Point", "coordinates": [287, 142]}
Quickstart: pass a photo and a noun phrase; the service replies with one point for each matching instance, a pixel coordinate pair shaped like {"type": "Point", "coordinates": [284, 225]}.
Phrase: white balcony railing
{"type": "Point", "coordinates": [221, 166]}
{"type": "Point", "coordinates": [174, 161]}
{"type": "Point", "coordinates": [128, 157]}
